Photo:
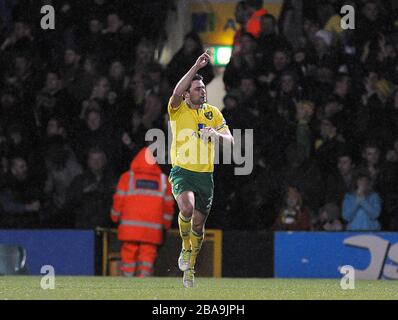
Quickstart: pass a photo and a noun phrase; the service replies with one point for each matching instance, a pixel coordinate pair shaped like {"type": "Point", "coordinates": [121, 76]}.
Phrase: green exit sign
{"type": "Point", "coordinates": [221, 55]}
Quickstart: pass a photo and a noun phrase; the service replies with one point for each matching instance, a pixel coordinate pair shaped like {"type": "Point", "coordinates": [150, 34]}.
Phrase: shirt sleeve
{"type": "Point", "coordinates": [219, 121]}
{"type": "Point", "coordinates": [171, 110]}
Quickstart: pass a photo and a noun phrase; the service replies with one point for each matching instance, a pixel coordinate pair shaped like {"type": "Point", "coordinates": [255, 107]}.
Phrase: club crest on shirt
{"type": "Point", "coordinates": [209, 115]}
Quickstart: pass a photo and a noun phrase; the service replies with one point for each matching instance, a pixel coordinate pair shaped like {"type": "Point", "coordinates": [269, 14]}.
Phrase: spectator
{"type": "Point", "coordinates": [340, 181]}
{"type": "Point", "coordinates": [62, 168]}
{"type": "Point", "coordinates": [145, 55]}
{"type": "Point", "coordinates": [89, 197]}
{"type": "Point", "coordinates": [117, 77]}
{"type": "Point", "coordinates": [372, 162]}
{"type": "Point", "coordinates": [327, 147]}
{"type": "Point", "coordinates": [304, 114]}
{"type": "Point", "coordinates": [82, 85]}
{"type": "Point", "coordinates": [20, 199]}
{"type": "Point", "coordinates": [328, 219]}
{"type": "Point", "coordinates": [270, 40]}
{"type": "Point", "coordinates": [95, 133]}
{"type": "Point", "coordinates": [185, 58]}
{"type": "Point", "coordinates": [294, 216]}
{"type": "Point", "coordinates": [255, 12]}
{"type": "Point", "coordinates": [91, 41]}
{"type": "Point", "coordinates": [247, 62]}
{"type": "Point", "coordinates": [117, 40]}
{"type": "Point", "coordinates": [241, 18]}
{"type": "Point", "coordinates": [302, 173]}
{"type": "Point", "coordinates": [362, 207]}
{"type": "Point", "coordinates": [53, 100]}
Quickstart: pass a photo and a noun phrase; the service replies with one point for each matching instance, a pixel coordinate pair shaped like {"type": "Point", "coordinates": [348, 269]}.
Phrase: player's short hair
{"type": "Point", "coordinates": [196, 77]}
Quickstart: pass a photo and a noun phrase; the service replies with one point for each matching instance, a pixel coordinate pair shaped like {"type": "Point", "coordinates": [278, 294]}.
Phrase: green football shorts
{"type": "Point", "coordinates": [200, 183]}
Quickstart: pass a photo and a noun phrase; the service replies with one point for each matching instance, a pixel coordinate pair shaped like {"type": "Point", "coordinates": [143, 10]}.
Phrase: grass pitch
{"type": "Point", "coordinates": [93, 288]}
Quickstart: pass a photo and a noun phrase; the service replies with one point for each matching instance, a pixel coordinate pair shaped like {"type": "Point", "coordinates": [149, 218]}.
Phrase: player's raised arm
{"type": "Point", "coordinates": [186, 80]}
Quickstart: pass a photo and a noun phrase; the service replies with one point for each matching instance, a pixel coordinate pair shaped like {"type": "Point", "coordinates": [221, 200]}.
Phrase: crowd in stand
{"type": "Point", "coordinates": [77, 101]}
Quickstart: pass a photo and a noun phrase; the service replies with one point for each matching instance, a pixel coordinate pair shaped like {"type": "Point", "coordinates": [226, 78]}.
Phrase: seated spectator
{"type": "Point", "coordinates": [89, 196]}
{"type": "Point", "coordinates": [294, 216]}
{"type": "Point", "coordinates": [362, 207]}
{"type": "Point", "coordinates": [328, 219]}
{"type": "Point", "coordinates": [20, 198]}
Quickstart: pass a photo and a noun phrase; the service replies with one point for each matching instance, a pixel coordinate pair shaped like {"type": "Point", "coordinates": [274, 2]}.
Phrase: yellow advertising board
{"type": "Point", "coordinates": [214, 20]}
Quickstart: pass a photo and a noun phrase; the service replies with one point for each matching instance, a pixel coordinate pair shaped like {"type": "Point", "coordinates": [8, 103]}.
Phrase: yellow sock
{"type": "Point", "coordinates": [185, 230]}
{"type": "Point", "coordinates": [196, 244]}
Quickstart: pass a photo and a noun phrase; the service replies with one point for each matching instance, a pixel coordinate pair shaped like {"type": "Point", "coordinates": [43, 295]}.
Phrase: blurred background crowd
{"type": "Point", "coordinates": [76, 102]}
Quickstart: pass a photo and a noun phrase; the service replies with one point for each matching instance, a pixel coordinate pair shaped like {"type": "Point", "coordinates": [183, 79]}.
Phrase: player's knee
{"type": "Point", "coordinates": [187, 209]}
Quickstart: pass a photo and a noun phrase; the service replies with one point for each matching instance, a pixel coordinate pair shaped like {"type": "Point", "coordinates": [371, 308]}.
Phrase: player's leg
{"type": "Point", "coordinates": [197, 235]}
{"type": "Point", "coordinates": [128, 254]}
{"type": "Point", "coordinates": [146, 259]}
{"type": "Point", "coordinates": [203, 202]}
{"type": "Point", "coordinates": [186, 205]}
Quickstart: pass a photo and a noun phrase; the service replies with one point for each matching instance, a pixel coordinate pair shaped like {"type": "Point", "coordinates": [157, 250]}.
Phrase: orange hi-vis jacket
{"type": "Point", "coordinates": [253, 25]}
{"type": "Point", "coordinates": [143, 203]}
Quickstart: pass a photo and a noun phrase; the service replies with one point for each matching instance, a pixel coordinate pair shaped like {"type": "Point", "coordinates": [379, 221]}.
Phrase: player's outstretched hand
{"type": "Point", "coordinates": [203, 60]}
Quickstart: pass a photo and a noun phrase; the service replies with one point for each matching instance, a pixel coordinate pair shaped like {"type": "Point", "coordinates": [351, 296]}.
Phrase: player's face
{"type": "Point", "coordinates": [197, 93]}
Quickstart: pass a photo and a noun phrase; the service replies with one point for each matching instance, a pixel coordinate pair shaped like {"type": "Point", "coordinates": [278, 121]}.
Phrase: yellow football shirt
{"type": "Point", "coordinates": [188, 151]}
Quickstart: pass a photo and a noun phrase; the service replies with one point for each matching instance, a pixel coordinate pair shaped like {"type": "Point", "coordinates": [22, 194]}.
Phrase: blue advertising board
{"type": "Point", "coordinates": [69, 252]}
{"type": "Point", "coordinates": [322, 254]}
